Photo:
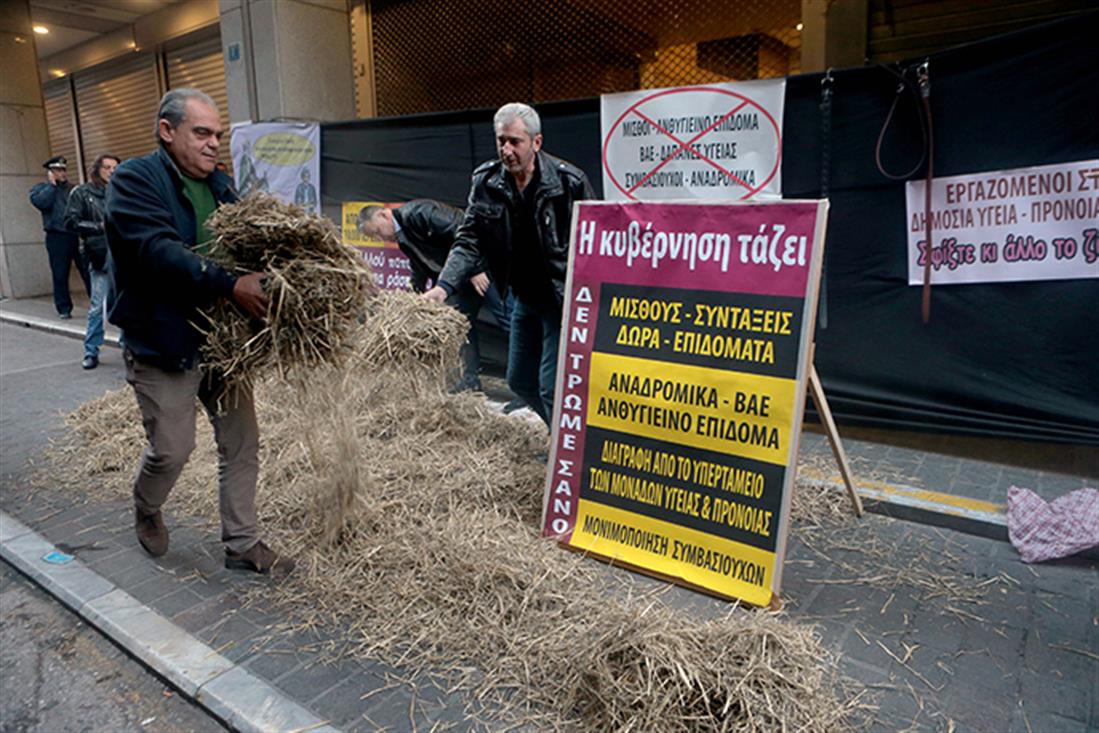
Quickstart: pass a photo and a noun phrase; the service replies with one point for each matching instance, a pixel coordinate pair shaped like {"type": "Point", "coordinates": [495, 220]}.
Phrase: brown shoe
{"type": "Point", "coordinates": [259, 558]}
{"type": "Point", "coordinates": [151, 532]}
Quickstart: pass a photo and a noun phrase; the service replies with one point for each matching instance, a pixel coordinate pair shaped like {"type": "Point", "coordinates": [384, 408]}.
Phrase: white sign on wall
{"type": "Point", "coordinates": [1037, 223]}
{"type": "Point", "coordinates": [718, 141]}
{"type": "Point", "coordinates": [279, 158]}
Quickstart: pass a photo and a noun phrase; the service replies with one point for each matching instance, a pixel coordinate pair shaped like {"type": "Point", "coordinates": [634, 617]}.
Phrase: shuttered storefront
{"type": "Point", "coordinates": [61, 124]}
{"type": "Point", "coordinates": [117, 103]}
{"type": "Point", "coordinates": [197, 63]}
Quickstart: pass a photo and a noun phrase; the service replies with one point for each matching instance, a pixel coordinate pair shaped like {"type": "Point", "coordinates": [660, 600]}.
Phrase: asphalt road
{"type": "Point", "coordinates": [58, 674]}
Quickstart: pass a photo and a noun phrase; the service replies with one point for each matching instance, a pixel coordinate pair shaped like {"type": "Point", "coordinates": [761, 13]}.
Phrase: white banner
{"type": "Point", "coordinates": [279, 158]}
{"type": "Point", "coordinates": [719, 141]}
{"type": "Point", "coordinates": [1023, 224]}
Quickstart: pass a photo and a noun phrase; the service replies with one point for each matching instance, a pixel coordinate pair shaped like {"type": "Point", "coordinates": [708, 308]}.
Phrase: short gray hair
{"type": "Point", "coordinates": [173, 107]}
{"type": "Point", "coordinates": [518, 111]}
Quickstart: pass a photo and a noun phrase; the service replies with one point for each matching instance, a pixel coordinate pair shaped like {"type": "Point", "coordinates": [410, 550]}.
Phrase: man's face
{"type": "Point", "coordinates": [58, 175]}
{"type": "Point", "coordinates": [379, 226]}
{"type": "Point", "coordinates": [106, 169]}
{"type": "Point", "coordinates": [516, 147]}
{"type": "Point", "coordinates": [194, 144]}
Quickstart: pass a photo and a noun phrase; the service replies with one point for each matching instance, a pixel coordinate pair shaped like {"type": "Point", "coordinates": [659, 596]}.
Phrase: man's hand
{"type": "Point", "coordinates": [248, 294]}
{"type": "Point", "coordinates": [50, 177]}
{"type": "Point", "coordinates": [480, 283]}
{"type": "Point", "coordinates": [436, 295]}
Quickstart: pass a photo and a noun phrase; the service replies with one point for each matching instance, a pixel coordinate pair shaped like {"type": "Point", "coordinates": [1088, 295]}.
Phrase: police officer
{"type": "Point", "coordinates": [51, 198]}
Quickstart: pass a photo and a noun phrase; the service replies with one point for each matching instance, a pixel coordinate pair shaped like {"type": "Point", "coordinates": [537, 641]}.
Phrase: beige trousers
{"type": "Point", "coordinates": [167, 402]}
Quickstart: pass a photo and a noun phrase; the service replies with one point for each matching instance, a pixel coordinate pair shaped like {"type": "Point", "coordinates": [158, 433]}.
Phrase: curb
{"type": "Point", "coordinates": [222, 688]}
{"type": "Point", "coordinates": [66, 328]}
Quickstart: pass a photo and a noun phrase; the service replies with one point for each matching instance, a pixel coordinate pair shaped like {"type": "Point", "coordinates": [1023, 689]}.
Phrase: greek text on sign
{"type": "Point", "coordinates": [389, 266]}
{"type": "Point", "coordinates": [681, 382]}
{"type": "Point", "coordinates": [716, 142]}
{"type": "Point", "coordinates": [1024, 224]}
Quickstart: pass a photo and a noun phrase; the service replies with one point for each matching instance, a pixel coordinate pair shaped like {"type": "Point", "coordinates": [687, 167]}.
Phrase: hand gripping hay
{"type": "Point", "coordinates": [316, 284]}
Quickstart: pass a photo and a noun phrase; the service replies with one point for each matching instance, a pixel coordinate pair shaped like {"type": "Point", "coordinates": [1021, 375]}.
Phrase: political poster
{"type": "Point", "coordinates": [279, 158]}
{"type": "Point", "coordinates": [681, 386]}
{"type": "Point", "coordinates": [1038, 223]}
{"type": "Point", "coordinates": [717, 142]}
{"type": "Point", "coordinates": [389, 265]}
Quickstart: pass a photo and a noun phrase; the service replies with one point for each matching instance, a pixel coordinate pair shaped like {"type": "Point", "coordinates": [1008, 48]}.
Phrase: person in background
{"type": "Point", "coordinates": [424, 230]}
{"type": "Point", "coordinates": [84, 215]}
{"type": "Point", "coordinates": [157, 209]}
{"type": "Point", "coordinates": [63, 247]}
{"type": "Point", "coordinates": [305, 195]}
{"type": "Point", "coordinates": [517, 222]}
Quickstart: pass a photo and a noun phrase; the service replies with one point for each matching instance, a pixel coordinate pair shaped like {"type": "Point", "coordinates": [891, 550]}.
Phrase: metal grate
{"type": "Point", "coordinates": [435, 55]}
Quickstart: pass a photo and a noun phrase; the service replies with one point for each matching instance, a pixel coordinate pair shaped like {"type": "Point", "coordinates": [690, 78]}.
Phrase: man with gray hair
{"type": "Point", "coordinates": [517, 222]}
{"type": "Point", "coordinates": [156, 213]}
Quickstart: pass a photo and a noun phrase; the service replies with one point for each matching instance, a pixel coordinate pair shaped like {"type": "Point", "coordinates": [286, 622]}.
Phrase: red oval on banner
{"type": "Point", "coordinates": [634, 108]}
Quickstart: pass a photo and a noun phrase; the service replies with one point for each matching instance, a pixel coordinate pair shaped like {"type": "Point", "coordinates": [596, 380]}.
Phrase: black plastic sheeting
{"type": "Point", "coordinates": [1014, 360]}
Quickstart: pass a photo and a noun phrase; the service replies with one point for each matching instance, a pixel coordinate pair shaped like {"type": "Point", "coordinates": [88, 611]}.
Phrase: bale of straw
{"type": "Point", "coordinates": [316, 284]}
{"type": "Point", "coordinates": [414, 518]}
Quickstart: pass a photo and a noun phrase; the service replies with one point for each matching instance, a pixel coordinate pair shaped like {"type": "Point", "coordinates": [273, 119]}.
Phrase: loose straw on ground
{"type": "Point", "coordinates": [413, 515]}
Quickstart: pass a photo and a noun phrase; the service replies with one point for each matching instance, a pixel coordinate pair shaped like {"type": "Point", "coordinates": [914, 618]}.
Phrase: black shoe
{"type": "Point", "coordinates": [90, 362]}
{"type": "Point", "coordinates": [64, 316]}
{"type": "Point", "coordinates": [259, 558]}
{"type": "Point", "coordinates": [513, 405]}
{"type": "Point", "coordinates": [151, 532]}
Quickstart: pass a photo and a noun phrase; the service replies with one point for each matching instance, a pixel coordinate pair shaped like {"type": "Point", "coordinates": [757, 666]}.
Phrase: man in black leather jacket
{"type": "Point", "coordinates": [425, 230]}
{"type": "Point", "coordinates": [85, 217]}
{"type": "Point", "coordinates": [157, 207]}
{"type": "Point", "coordinates": [517, 222]}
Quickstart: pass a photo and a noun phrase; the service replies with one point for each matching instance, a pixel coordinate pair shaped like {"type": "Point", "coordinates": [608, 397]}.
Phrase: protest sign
{"type": "Point", "coordinates": [1037, 223]}
{"type": "Point", "coordinates": [388, 264]}
{"type": "Point", "coordinates": [681, 385]}
{"type": "Point", "coordinates": [279, 158]}
{"type": "Point", "coordinates": [720, 141]}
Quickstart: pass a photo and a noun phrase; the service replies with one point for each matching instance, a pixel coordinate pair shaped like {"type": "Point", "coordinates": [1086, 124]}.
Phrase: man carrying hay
{"type": "Point", "coordinates": [517, 221]}
{"type": "Point", "coordinates": [425, 230]}
{"type": "Point", "coordinates": [157, 207]}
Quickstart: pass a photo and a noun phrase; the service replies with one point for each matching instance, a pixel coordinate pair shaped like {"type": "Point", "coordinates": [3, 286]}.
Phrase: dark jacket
{"type": "Point", "coordinates": [427, 231]}
{"type": "Point", "coordinates": [161, 282]}
{"type": "Point", "coordinates": [486, 230]}
{"type": "Point", "coordinates": [84, 215]}
{"type": "Point", "coordinates": [51, 200]}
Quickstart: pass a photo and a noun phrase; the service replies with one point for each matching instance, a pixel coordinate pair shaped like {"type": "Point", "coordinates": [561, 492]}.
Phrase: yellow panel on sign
{"type": "Point", "coordinates": [699, 558]}
{"type": "Point", "coordinates": [725, 411]}
{"type": "Point", "coordinates": [349, 228]}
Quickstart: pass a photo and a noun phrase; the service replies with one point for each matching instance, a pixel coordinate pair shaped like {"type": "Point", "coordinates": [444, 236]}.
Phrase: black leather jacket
{"type": "Point", "coordinates": [484, 238]}
{"type": "Point", "coordinates": [84, 216]}
{"type": "Point", "coordinates": [427, 233]}
{"type": "Point", "coordinates": [161, 282]}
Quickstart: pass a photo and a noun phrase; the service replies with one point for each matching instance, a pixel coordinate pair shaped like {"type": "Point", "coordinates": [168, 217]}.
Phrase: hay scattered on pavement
{"type": "Point", "coordinates": [316, 284]}
{"type": "Point", "coordinates": [413, 515]}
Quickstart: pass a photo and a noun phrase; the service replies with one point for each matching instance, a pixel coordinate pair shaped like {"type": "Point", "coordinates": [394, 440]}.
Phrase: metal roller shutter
{"type": "Point", "coordinates": [199, 65]}
{"type": "Point", "coordinates": [61, 124]}
{"type": "Point", "coordinates": [117, 103]}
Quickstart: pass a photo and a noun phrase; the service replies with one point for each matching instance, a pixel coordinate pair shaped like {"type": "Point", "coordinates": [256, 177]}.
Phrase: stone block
{"type": "Point", "coordinates": [249, 704]}
{"type": "Point", "coordinates": [173, 653]}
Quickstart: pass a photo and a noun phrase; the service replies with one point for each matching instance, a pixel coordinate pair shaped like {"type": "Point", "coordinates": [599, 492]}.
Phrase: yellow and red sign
{"type": "Point", "coordinates": [681, 386]}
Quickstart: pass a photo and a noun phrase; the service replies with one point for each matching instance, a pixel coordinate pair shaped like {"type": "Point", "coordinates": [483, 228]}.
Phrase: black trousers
{"type": "Point", "coordinates": [64, 248]}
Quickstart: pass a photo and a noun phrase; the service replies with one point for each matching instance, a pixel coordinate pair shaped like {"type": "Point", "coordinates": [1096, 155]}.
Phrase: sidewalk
{"type": "Point", "coordinates": [947, 631]}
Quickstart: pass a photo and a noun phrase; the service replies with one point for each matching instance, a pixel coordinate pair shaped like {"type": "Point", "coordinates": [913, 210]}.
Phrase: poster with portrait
{"type": "Point", "coordinates": [279, 158]}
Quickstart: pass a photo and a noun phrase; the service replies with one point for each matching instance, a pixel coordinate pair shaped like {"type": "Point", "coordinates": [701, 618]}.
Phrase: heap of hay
{"type": "Point", "coordinates": [316, 284]}
{"type": "Point", "coordinates": [414, 518]}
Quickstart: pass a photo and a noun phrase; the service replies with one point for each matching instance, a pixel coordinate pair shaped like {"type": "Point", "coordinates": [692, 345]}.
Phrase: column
{"type": "Point", "coordinates": [24, 268]}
